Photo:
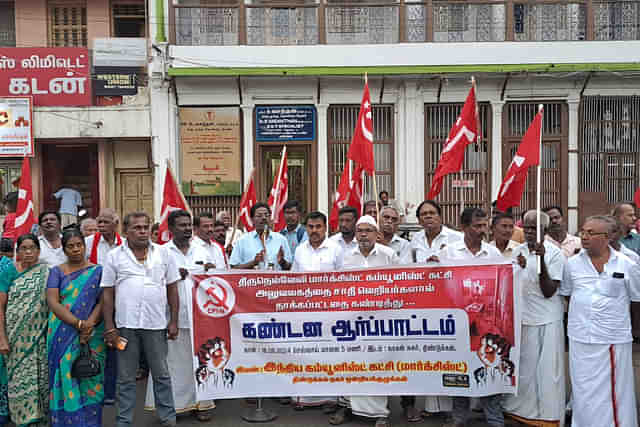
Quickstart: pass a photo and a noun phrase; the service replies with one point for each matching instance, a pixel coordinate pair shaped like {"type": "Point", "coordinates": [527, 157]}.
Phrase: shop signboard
{"type": "Point", "coordinates": [53, 76]}
{"type": "Point", "coordinates": [16, 126]}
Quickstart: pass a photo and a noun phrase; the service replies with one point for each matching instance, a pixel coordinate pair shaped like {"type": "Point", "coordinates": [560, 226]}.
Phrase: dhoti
{"type": "Point", "coordinates": [311, 401]}
{"type": "Point", "coordinates": [436, 404]}
{"type": "Point", "coordinates": [180, 361]}
{"type": "Point", "coordinates": [602, 381]}
{"type": "Point", "coordinates": [541, 380]}
{"type": "Point", "coordinates": [366, 406]}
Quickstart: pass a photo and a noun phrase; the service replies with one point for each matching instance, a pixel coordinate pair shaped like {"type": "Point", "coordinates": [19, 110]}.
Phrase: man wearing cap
{"type": "Point", "coordinates": [368, 254]}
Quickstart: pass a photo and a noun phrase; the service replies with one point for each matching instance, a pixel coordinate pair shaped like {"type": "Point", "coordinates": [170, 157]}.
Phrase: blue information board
{"type": "Point", "coordinates": [285, 123]}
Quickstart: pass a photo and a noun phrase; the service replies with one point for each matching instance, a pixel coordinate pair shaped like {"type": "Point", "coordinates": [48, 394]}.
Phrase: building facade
{"type": "Point", "coordinates": [577, 58]}
{"type": "Point", "coordinates": [98, 143]}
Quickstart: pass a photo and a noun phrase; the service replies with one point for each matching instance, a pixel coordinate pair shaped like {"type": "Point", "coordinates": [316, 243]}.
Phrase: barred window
{"type": "Point", "coordinates": [128, 18]}
{"type": "Point", "coordinates": [67, 23]}
{"type": "Point", "coordinates": [342, 122]}
{"type": "Point", "coordinates": [7, 25]}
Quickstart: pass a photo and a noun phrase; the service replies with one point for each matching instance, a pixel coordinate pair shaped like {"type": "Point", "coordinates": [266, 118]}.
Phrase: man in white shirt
{"type": "Point", "coordinates": [601, 283]}
{"type": "Point", "coordinates": [367, 254]}
{"type": "Point", "coordinates": [475, 226]}
{"type": "Point", "coordinates": [541, 381]}
{"type": "Point", "coordinates": [188, 258]}
{"type": "Point", "coordinates": [389, 225]}
{"type": "Point", "coordinates": [502, 229]}
{"type": "Point", "coordinates": [204, 226]}
{"type": "Point", "coordinates": [225, 217]}
{"type": "Point", "coordinates": [70, 201]}
{"type": "Point", "coordinates": [347, 218]}
{"type": "Point", "coordinates": [424, 247]}
{"type": "Point", "coordinates": [143, 280]}
{"type": "Point", "coordinates": [51, 252]}
{"type": "Point", "coordinates": [107, 237]}
{"type": "Point", "coordinates": [317, 254]}
{"type": "Point", "coordinates": [557, 233]}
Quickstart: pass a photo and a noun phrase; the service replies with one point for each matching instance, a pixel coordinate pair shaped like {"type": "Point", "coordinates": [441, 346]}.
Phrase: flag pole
{"type": "Point", "coordinates": [375, 185]}
{"type": "Point", "coordinates": [538, 189]}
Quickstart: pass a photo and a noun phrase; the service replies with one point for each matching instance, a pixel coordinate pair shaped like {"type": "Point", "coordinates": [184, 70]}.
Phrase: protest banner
{"type": "Point", "coordinates": [445, 330]}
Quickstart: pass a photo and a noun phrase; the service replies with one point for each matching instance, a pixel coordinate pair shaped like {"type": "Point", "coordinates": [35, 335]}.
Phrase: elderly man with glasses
{"type": "Point", "coordinates": [601, 283]}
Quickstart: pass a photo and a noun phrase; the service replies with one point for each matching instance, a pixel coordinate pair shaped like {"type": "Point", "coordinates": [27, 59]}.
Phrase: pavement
{"type": "Point", "coordinates": [228, 412]}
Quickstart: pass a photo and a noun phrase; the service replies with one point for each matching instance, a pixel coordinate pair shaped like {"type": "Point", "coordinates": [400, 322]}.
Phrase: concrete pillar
{"type": "Point", "coordinates": [247, 116]}
{"type": "Point", "coordinates": [164, 144]}
{"type": "Point", "coordinates": [573, 178]}
{"type": "Point", "coordinates": [323, 159]}
{"type": "Point", "coordinates": [412, 148]}
{"type": "Point", "coordinates": [496, 148]}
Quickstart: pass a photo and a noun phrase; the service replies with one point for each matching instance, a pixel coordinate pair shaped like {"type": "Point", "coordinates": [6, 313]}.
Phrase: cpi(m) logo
{"type": "Point", "coordinates": [215, 297]}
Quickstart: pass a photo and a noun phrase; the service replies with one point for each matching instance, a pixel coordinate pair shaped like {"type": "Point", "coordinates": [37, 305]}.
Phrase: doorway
{"type": "Point", "coordinates": [301, 172]}
{"type": "Point", "coordinates": [72, 166]}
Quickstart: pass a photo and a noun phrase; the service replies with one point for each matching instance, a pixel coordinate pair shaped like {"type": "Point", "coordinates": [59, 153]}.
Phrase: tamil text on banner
{"type": "Point", "coordinates": [445, 330]}
{"type": "Point", "coordinates": [52, 75]}
{"type": "Point", "coordinates": [16, 127]}
{"type": "Point", "coordinates": [210, 146]}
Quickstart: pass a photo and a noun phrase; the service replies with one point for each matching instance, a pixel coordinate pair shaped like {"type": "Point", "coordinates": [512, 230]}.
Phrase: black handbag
{"type": "Point", "coordinates": [85, 365]}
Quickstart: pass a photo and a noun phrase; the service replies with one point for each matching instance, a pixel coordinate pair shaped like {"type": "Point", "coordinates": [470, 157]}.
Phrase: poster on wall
{"type": "Point", "coordinates": [16, 126]}
{"type": "Point", "coordinates": [210, 147]}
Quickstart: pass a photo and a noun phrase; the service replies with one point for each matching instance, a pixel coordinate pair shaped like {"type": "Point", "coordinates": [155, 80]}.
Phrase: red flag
{"type": "Point", "coordinates": [172, 200]}
{"type": "Point", "coordinates": [463, 132]}
{"type": "Point", "coordinates": [279, 194]}
{"type": "Point", "coordinates": [246, 203]}
{"type": "Point", "coordinates": [361, 148]}
{"type": "Point", "coordinates": [528, 154]}
{"type": "Point", "coordinates": [24, 210]}
{"type": "Point", "coordinates": [349, 192]}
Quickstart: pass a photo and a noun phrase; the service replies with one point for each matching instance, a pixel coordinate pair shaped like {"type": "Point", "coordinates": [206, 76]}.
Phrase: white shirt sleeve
{"type": "Point", "coordinates": [633, 281]}
{"type": "Point", "coordinates": [566, 286]}
{"type": "Point", "coordinates": [57, 194]}
{"type": "Point", "coordinates": [172, 274]}
{"type": "Point", "coordinates": [555, 265]}
{"type": "Point", "coordinates": [339, 264]}
{"type": "Point", "coordinates": [109, 275]}
{"type": "Point", "coordinates": [296, 265]}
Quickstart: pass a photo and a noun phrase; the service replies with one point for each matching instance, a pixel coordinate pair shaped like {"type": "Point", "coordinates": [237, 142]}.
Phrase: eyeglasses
{"type": "Point", "coordinates": [588, 233]}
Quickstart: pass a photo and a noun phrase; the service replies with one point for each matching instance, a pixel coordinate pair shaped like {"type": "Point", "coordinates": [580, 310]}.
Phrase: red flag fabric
{"type": "Point", "coordinates": [528, 154]}
{"type": "Point", "coordinates": [25, 218]}
{"type": "Point", "coordinates": [349, 193]}
{"type": "Point", "coordinates": [463, 132]}
{"type": "Point", "coordinates": [636, 198]}
{"type": "Point", "coordinates": [361, 148]}
{"type": "Point", "coordinates": [279, 194]}
{"type": "Point", "coordinates": [172, 200]}
{"type": "Point", "coordinates": [246, 203]}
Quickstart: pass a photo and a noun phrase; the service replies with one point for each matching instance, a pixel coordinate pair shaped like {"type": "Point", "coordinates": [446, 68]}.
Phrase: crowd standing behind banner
{"type": "Point", "coordinates": [59, 310]}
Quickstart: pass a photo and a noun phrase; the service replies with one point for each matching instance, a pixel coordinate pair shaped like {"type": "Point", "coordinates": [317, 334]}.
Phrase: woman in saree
{"type": "Point", "coordinates": [23, 334]}
{"type": "Point", "coordinates": [73, 294]}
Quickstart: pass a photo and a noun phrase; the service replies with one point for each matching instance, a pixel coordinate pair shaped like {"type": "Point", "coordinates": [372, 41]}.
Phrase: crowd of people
{"type": "Point", "coordinates": [106, 292]}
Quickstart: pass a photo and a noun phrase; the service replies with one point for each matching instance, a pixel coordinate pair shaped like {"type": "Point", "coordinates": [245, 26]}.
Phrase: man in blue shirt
{"type": "Point", "coordinates": [261, 248]}
{"type": "Point", "coordinates": [294, 232]}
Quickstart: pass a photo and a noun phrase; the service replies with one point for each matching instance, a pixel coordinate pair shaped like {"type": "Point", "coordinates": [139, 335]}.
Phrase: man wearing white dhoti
{"type": "Point", "coordinates": [541, 381]}
{"type": "Point", "coordinates": [367, 254]}
{"type": "Point", "coordinates": [188, 257]}
{"type": "Point", "coordinates": [601, 282]}
{"type": "Point", "coordinates": [317, 253]}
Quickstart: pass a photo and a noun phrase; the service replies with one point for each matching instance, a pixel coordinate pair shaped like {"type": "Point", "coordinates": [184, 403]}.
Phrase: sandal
{"type": "Point", "coordinates": [383, 422]}
{"type": "Point", "coordinates": [203, 416]}
{"type": "Point", "coordinates": [341, 416]}
{"type": "Point", "coordinates": [412, 414]}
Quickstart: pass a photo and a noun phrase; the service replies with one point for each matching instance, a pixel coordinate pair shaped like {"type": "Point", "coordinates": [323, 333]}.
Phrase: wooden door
{"type": "Point", "coordinates": [299, 172]}
{"type": "Point", "coordinates": [136, 192]}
